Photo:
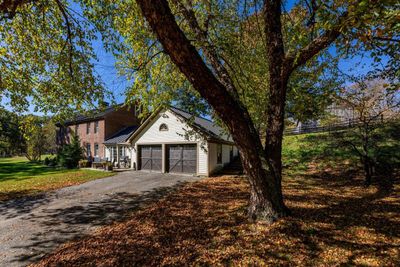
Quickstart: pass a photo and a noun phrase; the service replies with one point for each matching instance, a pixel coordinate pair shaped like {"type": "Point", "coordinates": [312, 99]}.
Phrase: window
{"type": "Point", "coordinates": [163, 127]}
{"type": "Point", "coordinates": [88, 128]}
{"type": "Point", "coordinates": [219, 154]}
{"type": "Point", "coordinates": [96, 127]}
{"type": "Point", "coordinates": [88, 150]}
{"type": "Point", "coordinates": [76, 129]}
{"type": "Point", "coordinates": [96, 150]}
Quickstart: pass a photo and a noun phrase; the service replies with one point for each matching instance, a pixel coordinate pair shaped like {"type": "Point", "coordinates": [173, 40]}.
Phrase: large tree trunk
{"type": "Point", "coordinates": [278, 74]}
{"type": "Point", "coordinates": [266, 201]}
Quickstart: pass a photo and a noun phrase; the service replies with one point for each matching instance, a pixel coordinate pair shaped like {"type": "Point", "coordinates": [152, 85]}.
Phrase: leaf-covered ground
{"type": "Point", "coordinates": [336, 221]}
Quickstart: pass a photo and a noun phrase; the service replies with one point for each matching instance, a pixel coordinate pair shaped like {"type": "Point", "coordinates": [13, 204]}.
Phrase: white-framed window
{"type": "Point", "coordinates": [88, 128]}
{"type": "Point", "coordinates": [96, 126]}
{"type": "Point", "coordinates": [96, 150]}
{"type": "Point", "coordinates": [88, 150]}
{"type": "Point", "coordinates": [219, 153]}
{"type": "Point", "coordinates": [163, 127]}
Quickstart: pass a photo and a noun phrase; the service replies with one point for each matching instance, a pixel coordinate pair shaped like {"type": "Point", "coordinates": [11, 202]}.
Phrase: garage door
{"type": "Point", "coordinates": [150, 158]}
{"type": "Point", "coordinates": [182, 158]}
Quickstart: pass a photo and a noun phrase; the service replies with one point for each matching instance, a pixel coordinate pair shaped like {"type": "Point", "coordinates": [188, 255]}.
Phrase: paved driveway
{"type": "Point", "coordinates": [31, 227]}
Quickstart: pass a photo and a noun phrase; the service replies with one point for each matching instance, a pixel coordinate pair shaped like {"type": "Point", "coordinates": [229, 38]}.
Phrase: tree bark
{"type": "Point", "coordinates": [266, 201]}
{"type": "Point", "coordinates": [278, 80]}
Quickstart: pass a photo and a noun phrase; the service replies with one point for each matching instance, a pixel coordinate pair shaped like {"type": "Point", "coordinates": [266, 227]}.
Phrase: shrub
{"type": "Point", "coordinates": [53, 162]}
{"type": "Point", "coordinates": [83, 163]}
{"type": "Point", "coordinates": [70, 154]}
{"type": "Point", "coordinates": [46, 161]}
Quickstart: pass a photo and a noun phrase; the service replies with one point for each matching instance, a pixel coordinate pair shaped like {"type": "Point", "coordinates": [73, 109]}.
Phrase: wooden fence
{"type": "Point", "coordinates": [331, 127]}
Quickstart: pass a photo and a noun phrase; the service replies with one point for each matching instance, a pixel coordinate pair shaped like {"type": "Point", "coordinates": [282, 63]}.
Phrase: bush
{"type": "Point", "coordinates": [70, 154]}
{"type": "Point", "coordinates": [83, 163]}
{"type": "Point", "coordinates": [46, 161]}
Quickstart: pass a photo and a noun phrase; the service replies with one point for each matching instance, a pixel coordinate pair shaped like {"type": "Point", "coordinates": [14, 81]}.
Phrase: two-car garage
{"type": "Point", "coordinates": [178, 158]}
{"type": "Point", "coordinates": [172, 141]}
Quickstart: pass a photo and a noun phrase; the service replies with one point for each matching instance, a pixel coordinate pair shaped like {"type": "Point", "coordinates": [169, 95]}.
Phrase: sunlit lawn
{"type": "Point", "coordinates": [18, 177]}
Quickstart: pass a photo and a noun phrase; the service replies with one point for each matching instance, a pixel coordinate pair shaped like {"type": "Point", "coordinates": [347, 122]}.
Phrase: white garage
{"type": "Point", "coordinates": [172, 140]}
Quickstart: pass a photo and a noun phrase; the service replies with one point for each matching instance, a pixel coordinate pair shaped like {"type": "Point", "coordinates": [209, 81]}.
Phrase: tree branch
{"type": "Point", "coordinates": [69, 34]}
{"type": "Point", "coordinates": [8, 8]}
{"type": "Point", "coordinates": [209, 50]}
{"type": "Point", "coordinates": [296, 59]}
{"type": "Point", "coordinates": [188, 60]}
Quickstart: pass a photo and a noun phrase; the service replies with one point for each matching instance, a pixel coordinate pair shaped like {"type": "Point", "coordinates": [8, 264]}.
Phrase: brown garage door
{"type": "Point", "coordinates": [150, 157]}
{"type": "Point", "coordinates": [182, 158]}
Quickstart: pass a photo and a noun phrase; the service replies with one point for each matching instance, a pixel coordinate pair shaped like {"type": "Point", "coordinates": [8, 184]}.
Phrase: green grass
{"type": "Point", "coordinates": [299, 151]}
{"type": "Point", "coordinates": [324, 150]}
{"type": "Point", "coordinates": [19, 177]}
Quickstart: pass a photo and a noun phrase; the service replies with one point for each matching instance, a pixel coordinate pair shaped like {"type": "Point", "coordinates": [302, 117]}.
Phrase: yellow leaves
{"type": "Point", "coordinates": [205, 224]}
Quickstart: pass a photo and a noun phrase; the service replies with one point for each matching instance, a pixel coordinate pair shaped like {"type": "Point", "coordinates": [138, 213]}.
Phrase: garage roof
{"type": "Point", "coordinates": [209, 128]}
{"type": "Point", "coordinates": [206, 126]}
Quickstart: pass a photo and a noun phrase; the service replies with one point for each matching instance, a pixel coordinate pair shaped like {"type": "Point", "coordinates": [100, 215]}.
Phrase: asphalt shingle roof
{"type": "Point", "coordinates": [207, 126]}
{"type": "Point", "coordinates": [92, 115]}
{"type": "Point", "coordinates": [121, 136]}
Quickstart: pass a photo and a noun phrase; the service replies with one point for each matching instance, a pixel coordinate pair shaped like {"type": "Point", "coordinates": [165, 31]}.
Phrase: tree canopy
{"type": "Point", "coordinates": [247, 59]}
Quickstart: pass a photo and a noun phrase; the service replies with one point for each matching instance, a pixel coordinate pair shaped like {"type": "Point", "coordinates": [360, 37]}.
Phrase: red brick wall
{"type": "Point", "coordinates": [118, 120]}
{"type": "Point", "coordinates": [108, 126]}
{"type": "Point", "coordinates": [92, 138]}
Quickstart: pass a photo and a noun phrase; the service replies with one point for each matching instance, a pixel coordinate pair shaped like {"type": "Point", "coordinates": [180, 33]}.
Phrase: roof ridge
{"type": "Point", "coordinates": [199, 117]}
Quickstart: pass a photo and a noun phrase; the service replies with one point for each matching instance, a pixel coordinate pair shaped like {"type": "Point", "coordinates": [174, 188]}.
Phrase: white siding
{"type": "Point", "coordinates": [202, 160]}
{"type": "Point", "coordinates": [178, 131]}
{"type": "Point", "coordinates": [225, 154]}
{"type": "Point", "coordinates": [107, 152]}
{"type": "Point", "coordinates": [133, 158]}
{"type": "Point", "coordinates": [212, 158]}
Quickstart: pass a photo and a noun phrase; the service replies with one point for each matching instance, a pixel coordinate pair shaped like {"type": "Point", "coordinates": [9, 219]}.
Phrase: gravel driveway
{"type": "Point", "coordinates": [31, 227]}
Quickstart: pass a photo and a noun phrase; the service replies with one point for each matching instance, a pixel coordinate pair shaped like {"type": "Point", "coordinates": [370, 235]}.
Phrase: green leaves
{"type": "Point", "coordinates": [46, 59]}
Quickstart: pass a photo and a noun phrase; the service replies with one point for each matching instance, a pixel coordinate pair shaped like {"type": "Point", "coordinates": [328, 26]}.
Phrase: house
{"type": "Point", "coordinates": [172, 140]}
{"type": "Point", "coordinates": [94, 129]}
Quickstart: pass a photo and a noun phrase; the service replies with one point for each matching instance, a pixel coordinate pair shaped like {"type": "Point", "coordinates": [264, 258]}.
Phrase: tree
{"type": "Point", "coordinates": [46, 57]}
{"type": "Point", "coordinates": [374, 103]}
{"type": "Point", "coordinates": [193, 36]}
{"type": "Point", "coordinates": [11, 139]}
{"type": "Point", "coordinates": [70, 154]}
{"type": "Point", "coordinates": [263, 165]}
{"type": "Point", "coordinates": [32, 129]}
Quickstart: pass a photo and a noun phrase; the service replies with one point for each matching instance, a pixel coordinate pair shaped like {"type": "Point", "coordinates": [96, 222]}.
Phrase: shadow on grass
{"type": "Point", "coordinates": [58, 226]}
{"type": "Point", "coordinates": [20, 170]}
{"type": "Point", "coordinates": [205, 224]}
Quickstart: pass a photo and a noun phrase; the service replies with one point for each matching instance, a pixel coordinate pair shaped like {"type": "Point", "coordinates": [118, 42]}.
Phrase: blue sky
{"type": "Point", "coordinates": [113, 82]}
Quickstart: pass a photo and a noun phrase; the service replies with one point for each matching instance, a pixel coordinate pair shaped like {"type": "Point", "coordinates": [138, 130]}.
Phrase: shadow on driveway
{"type": "Point", "coordinates": [36, 228]}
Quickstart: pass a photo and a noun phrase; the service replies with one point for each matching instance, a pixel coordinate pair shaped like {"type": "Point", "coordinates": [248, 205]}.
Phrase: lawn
{"type": "Point", "coordinates": [19, 177]}
{"type": "Point", "coordinates": [336, 221]}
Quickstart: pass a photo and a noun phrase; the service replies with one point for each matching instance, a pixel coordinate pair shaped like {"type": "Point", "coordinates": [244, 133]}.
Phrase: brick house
{"type": "Point", "coordinates": [97, 127]}
{"type": "Point", "coordinates": [170, 140]}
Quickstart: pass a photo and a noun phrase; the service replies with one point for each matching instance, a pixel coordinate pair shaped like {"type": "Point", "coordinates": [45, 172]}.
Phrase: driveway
{"type": "Point", "coordinates": [32, 227]}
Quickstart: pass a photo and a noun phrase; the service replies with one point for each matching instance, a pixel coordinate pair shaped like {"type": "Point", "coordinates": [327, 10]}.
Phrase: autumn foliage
{"type": "Point", "coordinates": [336, 222]}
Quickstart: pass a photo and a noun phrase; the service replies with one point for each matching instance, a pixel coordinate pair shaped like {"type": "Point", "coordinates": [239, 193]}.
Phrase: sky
{"type": "Point", "coordinates": [105, 67]}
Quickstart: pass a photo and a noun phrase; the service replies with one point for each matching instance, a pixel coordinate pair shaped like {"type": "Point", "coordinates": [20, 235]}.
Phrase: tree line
{"type": "Point", "coordinates": [26, 135]}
